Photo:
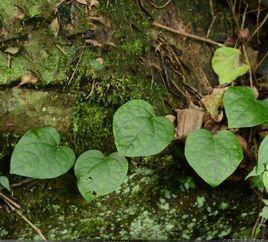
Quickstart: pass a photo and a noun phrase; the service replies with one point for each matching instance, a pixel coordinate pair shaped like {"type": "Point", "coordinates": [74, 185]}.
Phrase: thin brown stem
{"type": "Point", "coordinates": [192, 36]}
{"type": "Point", "coordinates": [259, 27]}
{"type": "Point", "coordinates": [38, 231]}
{"type": "Point", "coordinates": [8, 200]}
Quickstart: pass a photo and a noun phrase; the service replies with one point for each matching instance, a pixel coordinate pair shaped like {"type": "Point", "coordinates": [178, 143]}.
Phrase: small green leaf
{"type": "Point", "coordinates": [265, 179]}
{"type": "Point", "coordinates": [98, 175]}
{"type": "Point", "coordinates": [242, 109]}
{"type": "Point", "coordinates": [262, 160]}
{"type": "Point", "coordinates": [214, 158]}
{"type": "Point", "coordinates": [4, 182]}
{"type": "Point", "coordinates": [265, 201]}
{"type": "Point", "coordinates": [228, 64]}
{"type": "Point", "coordinates": [138, 132]}
{"type": "Point", "coordinates": [264, 213]}
{"type": "Point", "coordinates": [38, 155]}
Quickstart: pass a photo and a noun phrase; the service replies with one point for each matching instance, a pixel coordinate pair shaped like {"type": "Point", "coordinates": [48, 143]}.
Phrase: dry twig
{"type": "Point", "coordinates": [192, 36]}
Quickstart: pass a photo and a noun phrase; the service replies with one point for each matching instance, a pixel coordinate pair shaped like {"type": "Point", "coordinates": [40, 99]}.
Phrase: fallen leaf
{"type": "Point", "coordinates": [28, 79]}
{"type": "Point", "coordinates": [244, 144]}
{"type": "Point", "coordinates": [188, 121]}
{"type": "Point", "coordinates": [93, 42]}
{"type": "Point", "coordinates": [212, 125]}
{"type": "Point", "coordinates": [100, 60]}
{"type": "Point", "coordinates": [12, 50]}
{"type": "Point", "coordinates": [214, 103]}
{"type": "Point", "coordinates": [55, 26]}
{"type": "Point", "coordinates": [89, 3]}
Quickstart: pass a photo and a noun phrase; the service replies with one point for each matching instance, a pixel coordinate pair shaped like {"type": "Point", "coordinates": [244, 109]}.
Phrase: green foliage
{"type": "Point", "coordinates": [214, 158]}
{"type": "Point", "coordinates": [228, 64]}
{"type": "Point", "coordinates": [95, 64]}
{"type": "Point", "coordinates": [262, 164]}
{"type": "Point", "coordinates": [138, 132]}
{"type": "Point", "coordinates": [98, 175]}
{"type": "Point", "coordinates": [242, 109]}
{"type": "Point", "coordinates": [38, 155]}
{"type": "Point", "coordinates": [264, 213]}
{"type": "Point", "coordinates": [4, 182]}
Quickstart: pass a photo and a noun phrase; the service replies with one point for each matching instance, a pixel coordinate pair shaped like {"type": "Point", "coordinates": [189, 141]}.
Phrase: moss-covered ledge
{"type": "Point", "coordinates": [153, 203]}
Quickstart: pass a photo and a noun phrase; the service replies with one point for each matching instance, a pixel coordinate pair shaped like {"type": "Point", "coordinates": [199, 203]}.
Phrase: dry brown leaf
{"type": "Point", "coordinates": [188, 120]}
{"type": "Point", "coordinates": [100, 60]}
{"type": "Point", "coordinates": [172, 119]}
{"type": "Point", "coordinates": [29, 78]}
{"type": "Point", "coordinates": [55, 26]}
{"type": "Point", "coordinates": [244, 145]}
{"type": "Point", "coordinates": [82, 1]}
{"type": "Point", "coordinates": [89, 3]}
{"type": "Point", "coordinates": [93, 42]}
{"type": "Point", "coordinates": [19, 14]}
{"type": "Point", "coordinates": [12, 50]}
{"type": "Point", "coordinates": [214, 103]}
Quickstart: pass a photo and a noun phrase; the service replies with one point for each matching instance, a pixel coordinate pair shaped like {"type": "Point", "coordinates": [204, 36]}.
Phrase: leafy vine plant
{"type": "Point", "coordinates": [139, 132]}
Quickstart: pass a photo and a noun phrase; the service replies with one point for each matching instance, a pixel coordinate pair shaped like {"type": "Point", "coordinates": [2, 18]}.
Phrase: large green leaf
{"type": "Point", "coordinates": [242, 109]}
{"type": "Point", "coordinates": [262, 164]}
{"type": "Point", "coordinates": [228, 64]}
{"type": "Point", "coordinates": [214, 158]}
{"type": "Point", "coordinates": [98, 175]}
{"type": "Point", "coordinates": [138, 132]}
{"type": "Point", "coordinates": [38, 155]}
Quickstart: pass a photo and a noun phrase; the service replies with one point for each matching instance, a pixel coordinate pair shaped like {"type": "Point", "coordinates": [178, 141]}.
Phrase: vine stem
{"type": "Point", "coordinates": [192, 36]}
{"type": "Point", "coordinates": [16, 208]}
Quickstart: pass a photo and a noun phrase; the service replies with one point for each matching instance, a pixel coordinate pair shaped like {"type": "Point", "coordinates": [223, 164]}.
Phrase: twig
{"type": "Point", "coordinates": [213, 18]}
{"type": "Point", "coordinates": [159, 7]}
{"type": "Point", "coordinates": [258, 19]}
{"type": "Point", "coordinates": [38, 231]}
{"type": "Point", "coordinates": [77, 64]}
{"type": "Point", "coordinates": [258, 28]}
{"type": "Point", "coordinates": [244, 17]}
{"type": "Point", "coordinates": [61, 49]}
{"type": "Point", "coordinates": [232, 7]}
{"type": "Point", "coordinates": [158, 25]}
{"type": "Point", "coordinates": [9, 201]}
{"type": "Point", "coordinates": [26, 181]}
{"type": "Point", "coordinates": [261, 61]}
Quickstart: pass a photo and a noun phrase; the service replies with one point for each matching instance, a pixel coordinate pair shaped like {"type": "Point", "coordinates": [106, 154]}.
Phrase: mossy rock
{"type": "Point", "coordinates": [142, 208]}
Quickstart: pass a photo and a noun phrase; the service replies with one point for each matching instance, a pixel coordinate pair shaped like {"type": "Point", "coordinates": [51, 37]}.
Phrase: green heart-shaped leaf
{"type": "Point", "coordinates": [98, 175]}
{"type": "Point", "coordinates": [228, 64]}
{"type": "Point", "coordinates": [262, 164]}
{"type": "Point", "coordinates": [138, 132]}
{"type": "Point", "coordinates": [242, 109]}
{"type": "Point", "coordinates": [214, 158]}
{"type": "Point", "coordinates": [38, 155]}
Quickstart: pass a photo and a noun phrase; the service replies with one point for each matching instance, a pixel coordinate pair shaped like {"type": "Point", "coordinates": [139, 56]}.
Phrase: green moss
{"type": "Point", "coordinates": [134, 47]}
{"type": "Point", "coordinates": [140, 209]}
{"type": "Point", "coordinates": [17, 68]}
{"type": "Point", "coordinates": [92, 127]}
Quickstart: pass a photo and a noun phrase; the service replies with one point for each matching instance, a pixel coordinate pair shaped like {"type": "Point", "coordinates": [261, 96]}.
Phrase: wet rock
{"type": "Point", "coordinates": [22, 109]}
{"type": "Point", "coordinates": [144, 207]}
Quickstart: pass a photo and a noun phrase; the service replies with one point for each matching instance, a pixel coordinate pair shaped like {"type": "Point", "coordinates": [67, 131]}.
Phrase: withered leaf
{"type": "Point", "coordinates": [28, 78]}
{"type": "Point", "coordinates": [55, 26]}
{"type": "Point", "coordinates": [188, 120]}
{"type": "Point", "coordinates": [214, 103]}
